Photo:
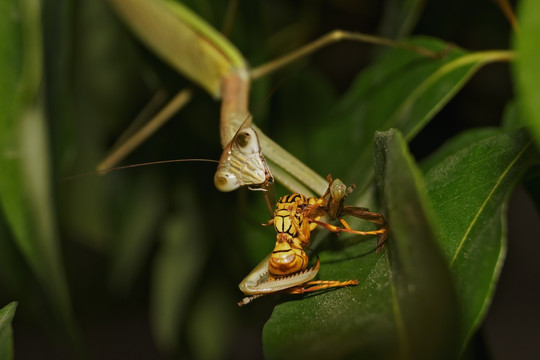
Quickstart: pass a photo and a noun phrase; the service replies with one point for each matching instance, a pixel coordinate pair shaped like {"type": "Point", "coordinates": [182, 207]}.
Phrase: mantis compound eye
{"type": "Point", "coordinates": [226, 181]}
{"type": "Point", "coordinates": [248, 141]}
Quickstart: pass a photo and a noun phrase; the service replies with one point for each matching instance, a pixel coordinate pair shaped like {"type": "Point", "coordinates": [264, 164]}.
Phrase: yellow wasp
{"type": "Point", "coordinates": [295, 217]}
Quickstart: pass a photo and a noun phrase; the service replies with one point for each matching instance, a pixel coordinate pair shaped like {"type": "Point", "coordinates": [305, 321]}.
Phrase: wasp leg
{"type": "Point", "coordinates": [381, 240]}
{"type": "Point", "coordinates": [376, 218]}
{"type": "Point", "coordinates": [347, 229]}
{"type": "Point", "coordinates": [382, 234]}
{"type": "Point", "coordinates": [345, 224]}
{"type": "Point", "coordinates": [320, 285]}
{"type": "Point", "coordinates": [365, 214]}
{"type": "Point", "coordinates": [269, 194]}
{"type": "Point", "coordinates": [381, 237]}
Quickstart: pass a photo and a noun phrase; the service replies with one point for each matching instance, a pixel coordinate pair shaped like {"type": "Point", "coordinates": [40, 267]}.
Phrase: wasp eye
{"type": "Point", "coordinates": [338, 189]}
{"type": "Point", "coordinates": [226, 181]}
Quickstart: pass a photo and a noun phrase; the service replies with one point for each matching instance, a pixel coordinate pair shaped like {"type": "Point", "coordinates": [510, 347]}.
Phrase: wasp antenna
{"type": "Point", "coordinates": [104, 171]}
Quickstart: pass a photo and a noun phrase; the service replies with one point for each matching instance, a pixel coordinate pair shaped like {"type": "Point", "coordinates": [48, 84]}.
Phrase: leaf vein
{"type": "Point", "coordinates": [481, 209]}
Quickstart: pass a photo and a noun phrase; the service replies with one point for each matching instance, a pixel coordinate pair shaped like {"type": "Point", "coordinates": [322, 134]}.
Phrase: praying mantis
{"type": "Point", "coordinates": [228, 77]}
{"type": "Point", "coordinates": [250, 158]}
{"type": "Point", "coordinates": [224, 74]}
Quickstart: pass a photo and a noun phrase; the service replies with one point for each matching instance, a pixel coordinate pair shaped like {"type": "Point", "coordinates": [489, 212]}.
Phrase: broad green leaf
{"type": "Point", "coordinates": [512, 118]}
{"type": "Point", "coordinates": [469, 191]}
{"type": "Point", "coordinates": [176, 272]}
{"type": "Point", "coordinates": [422, 285]}
{"type": "Point", "coordinates": [25, 179]}
{"type": "Point", "coordinates": [457, 143]}
{"type": "Point", "coordinates": [526, 70]}
{"type": "Point", "coordinates": [6, 333]}
{"type": "Point", "coordinates": [11, 185]}
{"type": "Point", "coordinates": [390, 314]}
{"type": "Point", "coordinates": [183, 40]}
{"type": "Point", "coordinates": [403, 90]}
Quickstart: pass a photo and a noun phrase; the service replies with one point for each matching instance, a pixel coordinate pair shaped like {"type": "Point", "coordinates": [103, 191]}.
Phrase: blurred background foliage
{"type": "Point", "coordinates": [144, 263]}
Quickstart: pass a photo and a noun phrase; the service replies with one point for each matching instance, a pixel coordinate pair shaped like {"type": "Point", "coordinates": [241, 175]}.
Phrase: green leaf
{"type": "Point", "coordinates": [390, 314]}
{"type": "Point", "coordinates": [526, 70]}
{"type": "Point", "coordinates": [11, 186]}
{"type": "Point", "coordinates": [6, 340]}
{"type": "Point", "coordinates": [457, 143]}
{"type": "Point", "coordinates": [512, 118]}
{"type": "Point", "coordinates": [469, 191]}
{"type": "Point", "coordinates": [402, 90]}
{"type": "Point", "coordinates": [25, 179]}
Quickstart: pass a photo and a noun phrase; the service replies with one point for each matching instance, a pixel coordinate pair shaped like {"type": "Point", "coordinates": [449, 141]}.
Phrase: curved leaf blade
{"type": "Point", "coordinates": [25, 179]}
{"type": "Point", "coordinates": [6, 333]}
{"type": "Point", "coordinates": [421, 283]}
{"type": "Point", "coordinates": [457, 143]}
{"type": "Point", "coordinates": [390, 313]}
{"type": "Point", "coordinates": [402, 90]}
{"type": "Point", "coordinates": [11, 184]}
{"type": "Point", "coordinates": [469, 190]}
